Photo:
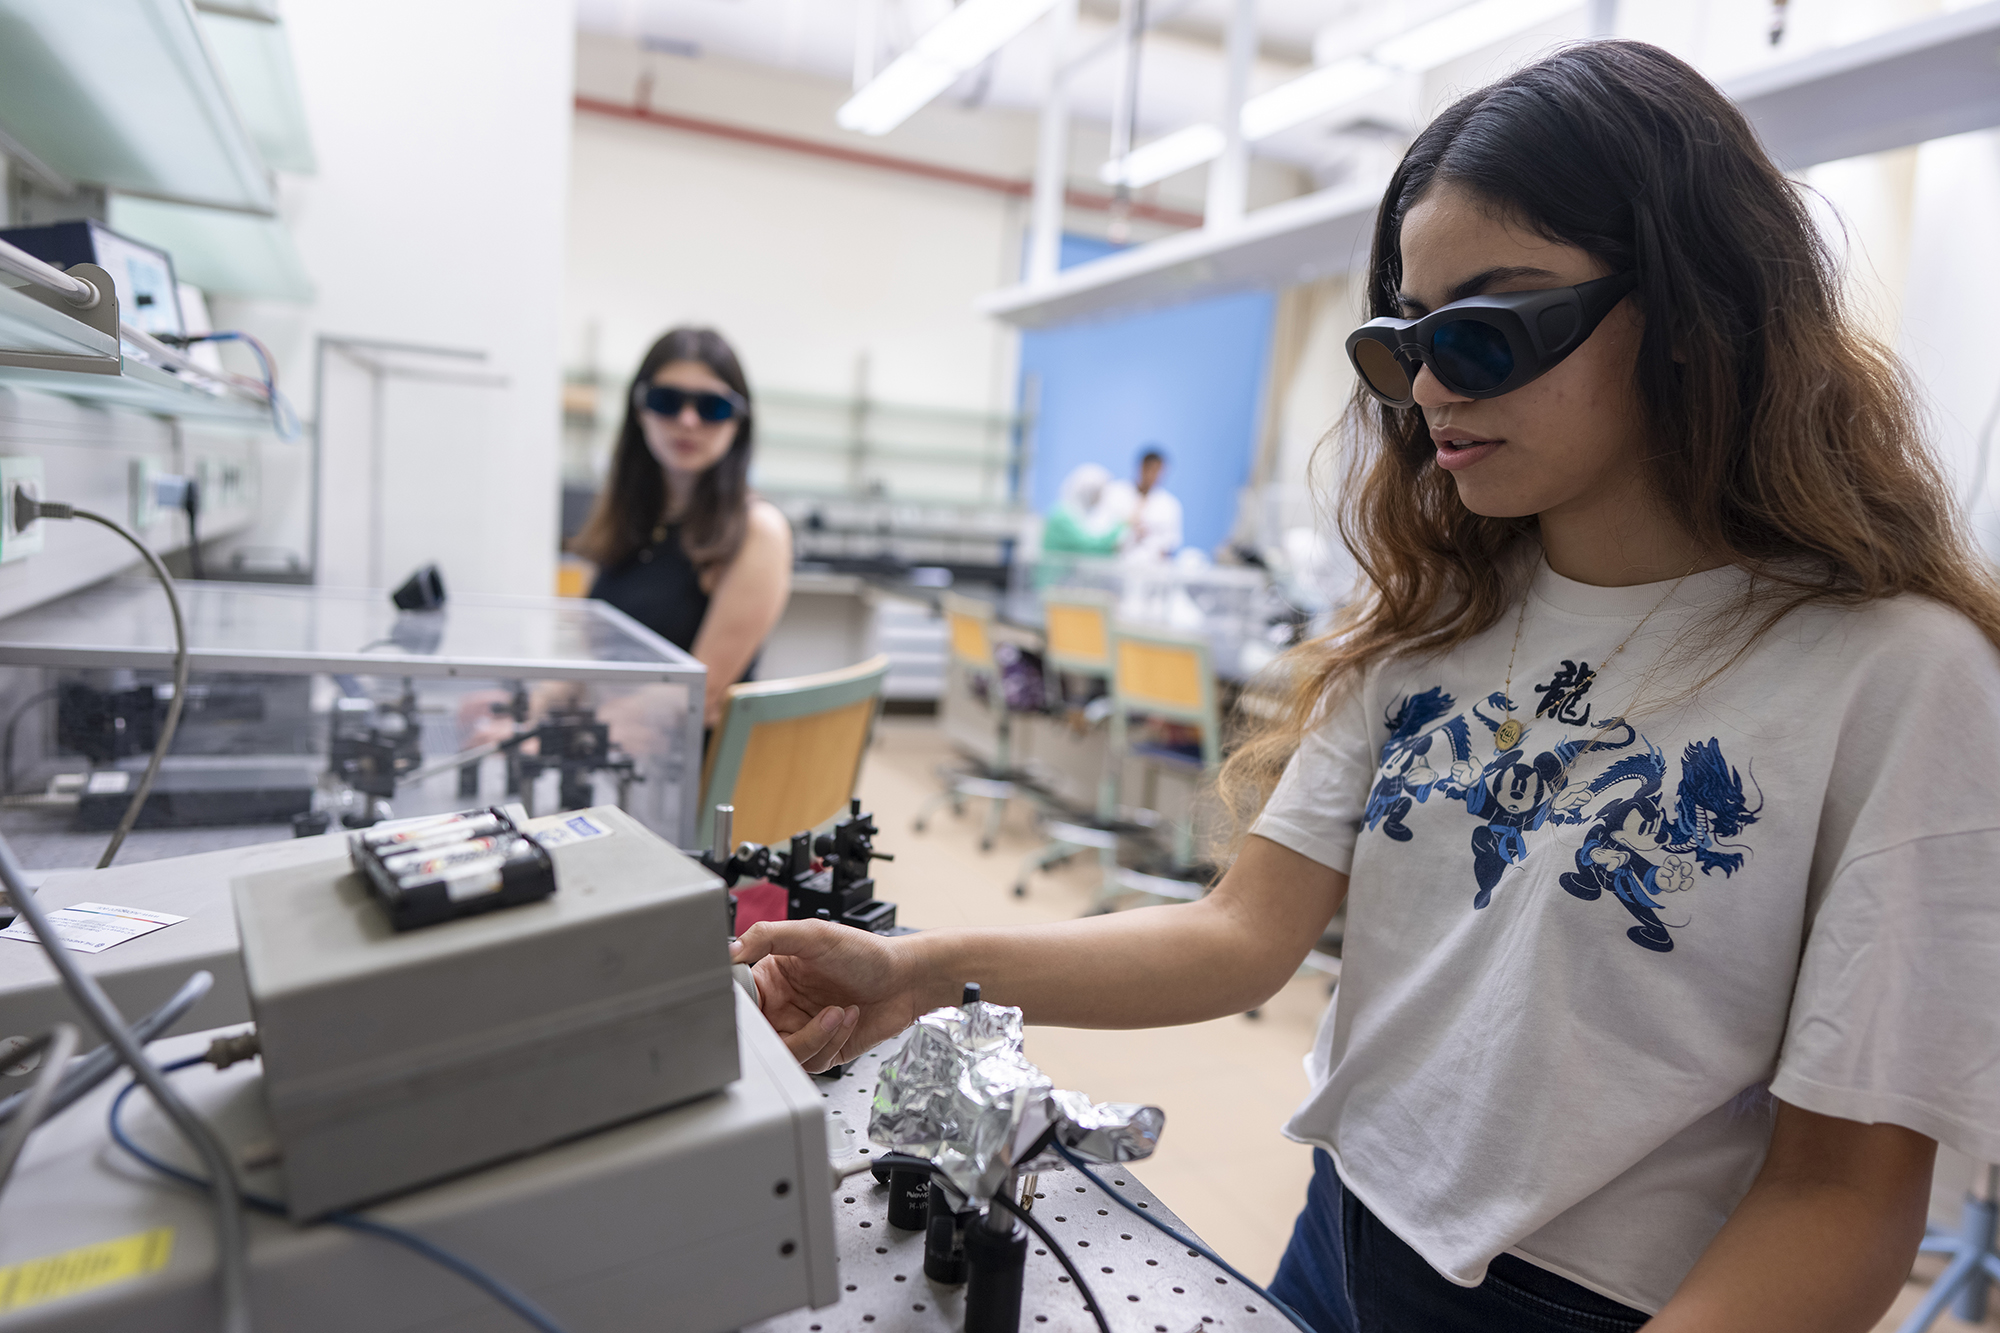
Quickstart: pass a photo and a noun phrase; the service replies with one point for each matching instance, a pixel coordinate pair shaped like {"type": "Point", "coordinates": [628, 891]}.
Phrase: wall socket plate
{"type": "Point", "coordinates": [16, 475]}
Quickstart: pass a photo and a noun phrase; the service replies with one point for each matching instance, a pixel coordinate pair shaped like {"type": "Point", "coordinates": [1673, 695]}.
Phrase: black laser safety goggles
{"type": "Point", "coordinates": [667, 401]}
{"type": "Point", "coordinates": [1483, 346]}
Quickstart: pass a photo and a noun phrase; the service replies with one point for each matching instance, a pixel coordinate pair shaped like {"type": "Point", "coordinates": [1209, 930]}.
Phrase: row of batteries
{"type": "Point", "coordinates": [452, 866]}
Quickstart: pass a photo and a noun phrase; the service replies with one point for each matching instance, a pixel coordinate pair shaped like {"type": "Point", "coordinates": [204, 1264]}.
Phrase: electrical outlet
{"type": "Point", "coordinates": [19, 476]}
{"type": "Point", "coordinates": [145, 508]}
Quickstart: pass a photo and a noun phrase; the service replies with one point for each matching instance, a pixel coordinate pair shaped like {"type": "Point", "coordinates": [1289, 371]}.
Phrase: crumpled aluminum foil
{"type": "Point", "coordinates": [961, 1095]}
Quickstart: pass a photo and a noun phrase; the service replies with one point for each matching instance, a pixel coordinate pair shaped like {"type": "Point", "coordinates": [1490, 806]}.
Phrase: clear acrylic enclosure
{"type": "Point", "coordinates": [332, 702]}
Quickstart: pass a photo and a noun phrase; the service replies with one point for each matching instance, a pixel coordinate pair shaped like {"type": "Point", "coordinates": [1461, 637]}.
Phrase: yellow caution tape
{"type": "Point", "coordinates": [85, 1268]}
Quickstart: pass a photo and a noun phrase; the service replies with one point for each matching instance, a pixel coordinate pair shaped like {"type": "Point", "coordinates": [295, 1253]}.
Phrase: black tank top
{"type": "Point", "coordinates": [660, 588]}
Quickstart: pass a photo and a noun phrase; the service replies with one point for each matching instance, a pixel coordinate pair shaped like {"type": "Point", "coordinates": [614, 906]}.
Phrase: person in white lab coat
{"type": "Point", "coordinates": [1152, 512]}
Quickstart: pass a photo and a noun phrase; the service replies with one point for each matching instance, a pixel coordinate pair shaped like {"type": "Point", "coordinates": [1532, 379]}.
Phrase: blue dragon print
{"type": "Point", "coordinates": [1632, 845]}
{"type": "Point", "coordinates": [1637, 852]}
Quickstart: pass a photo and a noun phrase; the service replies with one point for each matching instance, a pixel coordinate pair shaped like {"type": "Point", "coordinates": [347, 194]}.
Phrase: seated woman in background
{"type": "Point", "coordinates": [680, 543]}
{"type": "Point", "coordinates": [1078, 524]}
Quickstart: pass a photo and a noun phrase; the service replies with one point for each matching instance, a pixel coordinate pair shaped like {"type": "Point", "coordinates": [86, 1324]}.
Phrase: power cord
{"type": "Point", "coordinates": [1191, 1244]}
{"type": "Point", "coordinates": [233, 1265]}
{"type": "Point", "coordinates": [26, 510]}
{"type": "Point", "coordinates": [221, 1054]}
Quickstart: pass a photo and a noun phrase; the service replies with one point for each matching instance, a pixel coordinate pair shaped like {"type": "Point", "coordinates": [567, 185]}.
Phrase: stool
{"type": "Point", "coordinates": [1974, 1265]}
{"type": "Point", "coordinates": [1077, 641]}
{"type": "Point", "coordinates": [1166, 675]}
{"type": "Point", "coordinates": [970, 661]}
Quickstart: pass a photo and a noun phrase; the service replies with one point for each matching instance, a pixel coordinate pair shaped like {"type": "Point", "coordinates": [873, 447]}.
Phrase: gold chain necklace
{"type": "Point", "coordinates": [1510, 730]}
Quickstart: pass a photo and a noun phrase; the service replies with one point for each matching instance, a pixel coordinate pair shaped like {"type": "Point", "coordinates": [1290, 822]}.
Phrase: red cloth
{"type": "Point", "coordinates": [762, 901]}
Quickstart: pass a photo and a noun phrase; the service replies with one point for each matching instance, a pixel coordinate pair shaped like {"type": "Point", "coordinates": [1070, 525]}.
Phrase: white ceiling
{"type": "Point", "coordinates": [1180, 75]}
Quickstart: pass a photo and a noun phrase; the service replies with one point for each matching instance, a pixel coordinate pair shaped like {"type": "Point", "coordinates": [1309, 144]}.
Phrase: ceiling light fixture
{"type": "Point", "coordinates": [1312, 95]}
{"type": "Point", "coordinates": [1166, 156]}
{"type": "Point", "coordinates": [946, 51]}
{"type": "Point", "coordinates": [1465, 30]}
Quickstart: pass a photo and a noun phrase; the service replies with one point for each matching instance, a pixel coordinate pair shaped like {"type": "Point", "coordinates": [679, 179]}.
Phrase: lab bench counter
{"type": "Point", "coordinates": [1143, 1281]}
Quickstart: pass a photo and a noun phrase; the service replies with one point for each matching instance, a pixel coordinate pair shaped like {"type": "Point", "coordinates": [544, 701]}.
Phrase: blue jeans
{"type": "Point", "coordinates": [1344, 1272]}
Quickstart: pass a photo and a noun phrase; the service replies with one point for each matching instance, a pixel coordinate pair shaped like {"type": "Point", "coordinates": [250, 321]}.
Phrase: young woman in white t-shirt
{"type": "Point", "coordinates": [1652, 769]}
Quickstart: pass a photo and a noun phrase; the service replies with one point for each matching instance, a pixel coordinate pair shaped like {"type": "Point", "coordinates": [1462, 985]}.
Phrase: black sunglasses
{"type": "Point", "coordinates": [1483, 346]}
{"type": "Point", "coordinates": [667, 401]}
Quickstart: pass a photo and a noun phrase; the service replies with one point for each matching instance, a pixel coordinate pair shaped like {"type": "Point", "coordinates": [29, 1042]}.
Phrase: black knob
{"type": "Point", "coordinates": [971, 996]}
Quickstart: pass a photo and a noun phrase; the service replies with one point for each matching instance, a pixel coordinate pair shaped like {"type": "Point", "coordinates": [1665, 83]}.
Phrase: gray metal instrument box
{"type": "Point", "coordinates": [391, 1060]}
{"type": "Point", "coordinates": [699, 1219]}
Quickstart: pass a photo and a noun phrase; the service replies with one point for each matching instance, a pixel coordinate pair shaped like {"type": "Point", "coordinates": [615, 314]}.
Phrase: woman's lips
{"type": "Point", "coordinates": [1456, 451]}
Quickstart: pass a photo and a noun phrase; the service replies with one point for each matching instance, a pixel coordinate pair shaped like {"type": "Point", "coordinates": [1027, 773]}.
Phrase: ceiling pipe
{"type": "Point", "coordinates": [978, 180]}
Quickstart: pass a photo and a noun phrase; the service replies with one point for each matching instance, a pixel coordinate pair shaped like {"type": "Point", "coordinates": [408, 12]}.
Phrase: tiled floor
{"type": "Point", "coordinates": [1226, 1085]}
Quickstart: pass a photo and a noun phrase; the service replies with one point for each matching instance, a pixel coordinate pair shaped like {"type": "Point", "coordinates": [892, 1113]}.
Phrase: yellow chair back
{"type": "Point", "coordinates": [788, 753]}
{"type": "Point", "coordinates": [1078, 633]}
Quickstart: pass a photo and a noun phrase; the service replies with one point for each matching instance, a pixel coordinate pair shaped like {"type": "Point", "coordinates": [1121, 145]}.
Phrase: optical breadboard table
{"type": "Point", "coordinates": [1143, 1281]}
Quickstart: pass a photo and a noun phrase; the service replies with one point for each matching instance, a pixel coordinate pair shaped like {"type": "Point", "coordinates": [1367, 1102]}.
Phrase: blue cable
{"type": "Point", "coordinates": [280, 407]}
{"type": "Point", "coordinates": [1190, 1243]}
{"type": "Point", "coordinates": [529, 1312]}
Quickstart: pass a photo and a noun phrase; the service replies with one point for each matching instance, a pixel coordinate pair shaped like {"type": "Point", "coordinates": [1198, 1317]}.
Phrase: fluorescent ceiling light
{"type": "Point", "coordinates": [1466, 30]}
{"type": "Point", "coordinates": [945, 52]}
{"type": "Point", "coordinates": [1166, 156]}
{"type": "Point", "coordinates": [1426, 46]}
{"type": "Point", "coordinates": [1312, 95]}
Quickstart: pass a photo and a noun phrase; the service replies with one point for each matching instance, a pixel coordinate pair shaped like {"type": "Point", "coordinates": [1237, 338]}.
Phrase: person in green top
{"type": "Point", "coordinates": [1074, 526]}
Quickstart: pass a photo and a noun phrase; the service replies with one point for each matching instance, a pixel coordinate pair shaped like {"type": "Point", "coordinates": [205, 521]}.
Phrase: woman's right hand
{"type": "Point", "coordinates": [831, 991]}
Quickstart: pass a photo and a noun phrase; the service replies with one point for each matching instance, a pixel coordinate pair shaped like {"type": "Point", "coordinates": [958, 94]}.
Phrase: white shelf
{"type": "Point", "coordinates": [254, 53]}
{"type": "Point", "coordinates": [145, 387]}
{"type": "Point", "coordinates": [123, 94]}
{"type": "Point", "coordinates": [1921, 81]}
{"type": "Point", "coordinates": [1295, 241]}
{"type": "Point", "coordinates": [224, 254]}
{"type": "Point", "coordinates": [1924, 80]}
{"type": "Point", "coordinates": [31, 327]}
{"type": "Point", "coordinates": [47, 349]}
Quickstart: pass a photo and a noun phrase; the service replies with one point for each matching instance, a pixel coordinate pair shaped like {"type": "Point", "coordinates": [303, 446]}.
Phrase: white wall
{"type": "Point", "coordinates": [442, 130]}
{"type": "Point", "coordinates": [1946, 333]}
{"type": "Point", "coordinates": [803, 263]}
{"type": "Point", "coordinates": [806, 264]}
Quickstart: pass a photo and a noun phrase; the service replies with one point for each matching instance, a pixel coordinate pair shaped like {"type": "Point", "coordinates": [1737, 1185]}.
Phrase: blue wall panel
{"type": "Point", "coordinates": [1189, 379]}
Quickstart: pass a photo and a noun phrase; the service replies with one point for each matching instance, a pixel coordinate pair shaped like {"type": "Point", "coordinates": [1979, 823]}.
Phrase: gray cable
{"type": "Point", "coordinates": [84, 1076]}
{"type": "Point", "coordinates": [57, 1045]}
{"type": "Point", "coordinates": [138, 800]}
{"type": "Point", "coordinates": [233, 1262]}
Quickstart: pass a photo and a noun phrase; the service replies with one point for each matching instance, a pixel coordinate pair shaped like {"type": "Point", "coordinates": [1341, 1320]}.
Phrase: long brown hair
{"type": "Point", "coordinates": [634, 498]}
{"type": "Point", "coordinates": [1783, 438]}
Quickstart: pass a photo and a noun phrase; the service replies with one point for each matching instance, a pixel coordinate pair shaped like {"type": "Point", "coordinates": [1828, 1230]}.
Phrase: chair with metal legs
{"type": "Point", "coordinates": [971, 666]}
{"type": "Point", "coordinates": [1973, 1265]}
{"type": "Point", "coordinates": [1158, 673]}
{"type": "Point", "coordinates": [1077, 642]}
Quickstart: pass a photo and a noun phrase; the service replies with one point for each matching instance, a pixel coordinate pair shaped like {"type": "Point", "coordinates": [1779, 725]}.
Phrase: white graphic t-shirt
{"type": "Point", "coordinates": [1571, 976]}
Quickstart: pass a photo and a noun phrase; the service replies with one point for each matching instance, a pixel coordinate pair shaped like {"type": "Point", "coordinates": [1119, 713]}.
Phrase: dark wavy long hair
{"type": "Point", "coordinates": [634, 498]}
{"type": "Point", "coordinates": [1785, 439]}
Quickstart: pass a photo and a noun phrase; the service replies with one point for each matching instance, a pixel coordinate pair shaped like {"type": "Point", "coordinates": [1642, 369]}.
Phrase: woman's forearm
{"type": "Point", "coordinates": [1821, 1243]}
{"type": "Point", "coordinates": [1151, 966]}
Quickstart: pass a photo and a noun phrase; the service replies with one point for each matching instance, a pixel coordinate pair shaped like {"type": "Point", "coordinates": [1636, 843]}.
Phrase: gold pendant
{"type": "Point", "coordinates": [1510, 732]}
